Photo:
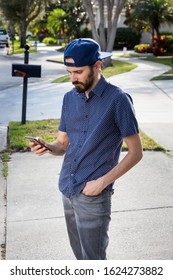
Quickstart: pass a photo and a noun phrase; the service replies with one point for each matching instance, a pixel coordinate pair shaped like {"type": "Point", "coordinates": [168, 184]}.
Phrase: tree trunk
{"type": "Point", "coordinates": [110, 9]}
{"type": "Point", "coordinates": [23, 33]}
{"type": "Point", "coordinates": [88, 7]}
{"type": "Point", "coordinates": [158, 35]}
{"type": "Point", "coordinates": [113, 12]}
{"type": "Point", "coordinates": [119, 6]}
{"type": "Point", "coordinates": [102, 26]}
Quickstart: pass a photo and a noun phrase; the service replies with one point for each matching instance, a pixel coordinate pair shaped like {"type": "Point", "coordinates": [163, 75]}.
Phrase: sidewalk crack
{"type": "Point", "coordinates": [142, 209]}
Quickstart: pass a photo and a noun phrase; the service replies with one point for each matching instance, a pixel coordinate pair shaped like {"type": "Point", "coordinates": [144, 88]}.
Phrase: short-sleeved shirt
{"type": "Point", "coordinates": [95, 127]}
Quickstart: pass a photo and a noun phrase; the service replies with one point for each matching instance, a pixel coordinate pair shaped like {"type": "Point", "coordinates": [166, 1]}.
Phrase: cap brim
{"type": "Point", "coordinates": [104, 55]}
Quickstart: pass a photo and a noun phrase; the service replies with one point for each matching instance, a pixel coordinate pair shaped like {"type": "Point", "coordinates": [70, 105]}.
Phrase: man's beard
{"type": "Point", "coordinates": [83, 87]}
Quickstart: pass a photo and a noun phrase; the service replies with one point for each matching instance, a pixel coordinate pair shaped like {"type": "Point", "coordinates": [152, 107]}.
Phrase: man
{"type": "Point", "coordinates": [96, 117]}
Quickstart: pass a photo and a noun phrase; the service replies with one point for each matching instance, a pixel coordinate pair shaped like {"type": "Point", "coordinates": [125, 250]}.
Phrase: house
{"type": "Point", "coordinates": [146, 36]}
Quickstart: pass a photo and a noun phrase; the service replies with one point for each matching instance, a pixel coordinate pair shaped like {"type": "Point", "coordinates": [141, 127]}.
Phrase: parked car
{"type": "Point", "coordinates": [3, 37]}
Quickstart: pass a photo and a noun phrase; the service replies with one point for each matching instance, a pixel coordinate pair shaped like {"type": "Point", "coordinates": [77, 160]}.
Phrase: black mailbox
{"type": "Point", "coordinates": [26, 70]}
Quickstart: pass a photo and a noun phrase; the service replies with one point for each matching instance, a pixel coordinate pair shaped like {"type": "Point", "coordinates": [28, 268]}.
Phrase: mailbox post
{"type": "Point", "coordinates": [25, 85]}
{"type": "Point", "coordinates": [26, 71]}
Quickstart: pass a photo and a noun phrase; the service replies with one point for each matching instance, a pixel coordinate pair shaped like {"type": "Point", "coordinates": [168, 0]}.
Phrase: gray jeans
{"type": "Point", "coordinates": [87, 219]}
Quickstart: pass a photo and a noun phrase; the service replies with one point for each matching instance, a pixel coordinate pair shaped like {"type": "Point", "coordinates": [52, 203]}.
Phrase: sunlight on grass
{"type": "Point", "coordinates": [118, 67]}
{"type": "Point", "coordinates": [166, 61]}
{"type": "Point", "coordinates": [47, 129]}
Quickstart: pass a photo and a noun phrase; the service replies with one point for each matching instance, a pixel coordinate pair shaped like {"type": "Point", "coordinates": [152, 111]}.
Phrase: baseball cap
{"type": "Point", "coordinates": [84, 52]}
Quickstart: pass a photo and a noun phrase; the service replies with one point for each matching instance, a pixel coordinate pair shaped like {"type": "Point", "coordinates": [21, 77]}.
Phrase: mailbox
{"type": "Point", "coordinates": [26, 70]}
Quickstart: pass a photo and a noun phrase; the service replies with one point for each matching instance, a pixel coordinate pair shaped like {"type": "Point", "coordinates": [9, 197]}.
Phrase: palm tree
{"type": "Point", "coordinates": [151, 14]}
{"type": "Point", "coordinates": [57, 22]}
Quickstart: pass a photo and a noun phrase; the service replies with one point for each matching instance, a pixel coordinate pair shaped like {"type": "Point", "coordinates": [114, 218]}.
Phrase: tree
{"type": "Point", "coordinates": [75, 17]}
{"type": "Point", "coordinates": [57, 22]}
{"type": "Point", "coordinates": [112, 9]}
{"type": "Point", "coordinates": [150, 15]}
{"type": "Point", "coordinates": [22, 13]}
{"type": "Point", "coordinates": [73, 21]}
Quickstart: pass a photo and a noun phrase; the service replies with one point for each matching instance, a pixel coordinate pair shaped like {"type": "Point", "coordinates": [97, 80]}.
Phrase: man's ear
{"type": "Point", "coordinates": [98, 65]}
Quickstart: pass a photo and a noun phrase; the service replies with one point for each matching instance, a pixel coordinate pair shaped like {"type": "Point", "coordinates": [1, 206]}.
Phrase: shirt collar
{"type": "Point", "coordinates": [100, 87]}
{"type": "Point", "coordinates": [97, 90]}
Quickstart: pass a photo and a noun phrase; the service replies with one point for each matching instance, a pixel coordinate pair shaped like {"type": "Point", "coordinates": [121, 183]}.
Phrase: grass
{"type": "Point", "coordinates": [47, 129]}
{"type": "Point", "coordinates": [162, 78]}
{"type": "Point", "coordinates": [63, 79]}
{"type": "Point", "coordinates": [162, 60]}
{"type": "Point", "coordinates": [17, 50]}
{"type": "Point", "coordinates": [5, 158]}
{"type": "Point", "coordinates": [117, 68]}
{"type": "Point", "coordinates": [166, 61]}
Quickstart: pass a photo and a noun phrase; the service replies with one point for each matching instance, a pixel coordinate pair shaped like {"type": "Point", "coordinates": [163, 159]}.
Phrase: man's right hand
{"type": "Point", "coordinates": [38, 149]}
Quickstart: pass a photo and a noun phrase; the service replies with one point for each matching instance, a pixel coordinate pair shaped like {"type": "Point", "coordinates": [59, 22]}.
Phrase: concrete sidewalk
{"type": "Point", "coordinates": [142, 207]}
{"type": "Point", "coordinates": [142, 210]}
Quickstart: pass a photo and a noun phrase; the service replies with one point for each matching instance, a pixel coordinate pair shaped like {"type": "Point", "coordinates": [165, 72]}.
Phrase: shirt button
{"type": "Point", "coordinates": [72, 174]}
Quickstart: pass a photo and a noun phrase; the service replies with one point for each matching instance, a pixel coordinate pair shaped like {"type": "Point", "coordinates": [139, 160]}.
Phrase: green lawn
{"type": "Point", "coordinates": [166, 61]}
{"type": "Point", "coordinates": [47, 129]}
{"type": "Point", "coordinates": [117, 67]}
{"type": "Point", "coordinates": [17, 50]}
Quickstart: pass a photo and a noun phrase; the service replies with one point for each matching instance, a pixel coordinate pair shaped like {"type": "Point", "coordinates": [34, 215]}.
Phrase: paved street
{"type": "Point", "coordinates": [40, 90]}
{"type": "Point", "coordinates": [50, 71]}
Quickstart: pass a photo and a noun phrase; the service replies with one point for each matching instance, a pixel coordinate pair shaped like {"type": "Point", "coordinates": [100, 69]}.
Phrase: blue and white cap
{"type": "Point", "coordinates": [84, 52]}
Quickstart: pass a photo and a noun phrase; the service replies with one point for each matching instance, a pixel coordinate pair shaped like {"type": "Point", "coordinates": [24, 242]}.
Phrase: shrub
{"type": "Point", "coordinates": [169, 43]}
{"type": "Point", "coordinates": [165, 33]}
{"type": "Point", "coordinates": [49, 41]}
{"type": "Point", "coordinates": [143, 48]}
{"type": "Point", "coordinates": [126, 37]}
{"type": "Point", "coordinates": [165, 46]}
{"type": "Point", "coordinates": [43, 33]}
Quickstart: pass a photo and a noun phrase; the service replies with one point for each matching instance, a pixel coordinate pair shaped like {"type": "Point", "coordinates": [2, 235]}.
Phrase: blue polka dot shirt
{"type": "Point", "coordinates": [95, 127]}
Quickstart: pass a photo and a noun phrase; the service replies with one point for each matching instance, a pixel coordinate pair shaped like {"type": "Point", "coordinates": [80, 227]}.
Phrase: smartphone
{"type": "Point", "coordinates": [34, 139]}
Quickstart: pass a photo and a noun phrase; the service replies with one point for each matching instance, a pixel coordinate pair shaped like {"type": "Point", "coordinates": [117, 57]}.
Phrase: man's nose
{"type": "Point", "coordinates": [73, 78]}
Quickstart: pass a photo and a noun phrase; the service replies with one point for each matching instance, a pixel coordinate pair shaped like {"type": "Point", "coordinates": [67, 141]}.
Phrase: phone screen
{"type": "Point", "coordinates": [34, 139]}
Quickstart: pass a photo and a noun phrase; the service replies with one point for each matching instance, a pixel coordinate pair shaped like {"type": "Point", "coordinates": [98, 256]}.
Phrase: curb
{"type": "Point", "coordinates": [3, 213]}
{"type": "Point", "coordinates": [3, 137]}
{"type": "Point", "coordinates": [3, 196]}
